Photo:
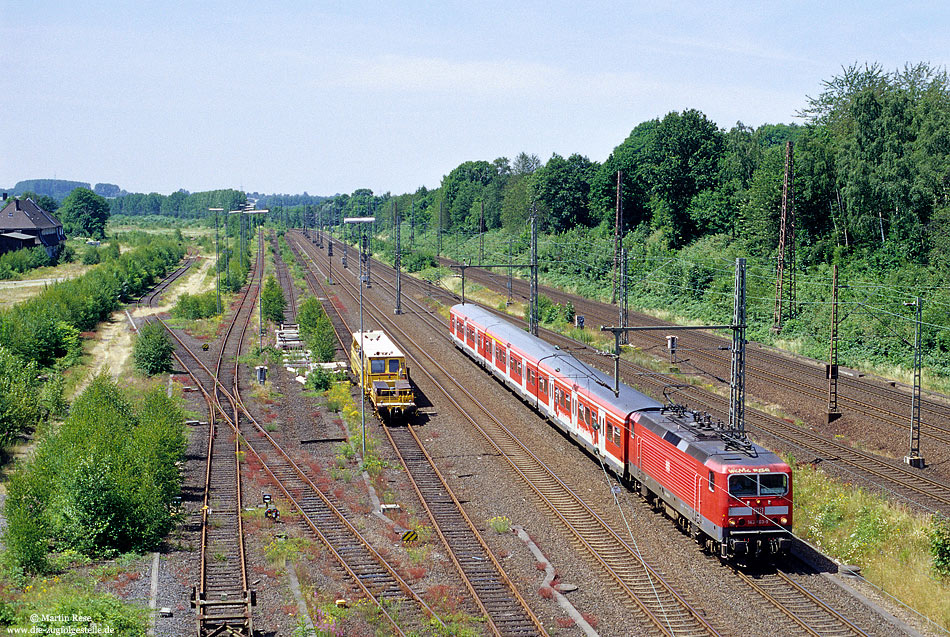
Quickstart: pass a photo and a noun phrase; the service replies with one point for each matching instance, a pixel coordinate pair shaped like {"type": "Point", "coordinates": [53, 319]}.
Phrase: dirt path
{"type": "Point", "coordinates": [112, 351]}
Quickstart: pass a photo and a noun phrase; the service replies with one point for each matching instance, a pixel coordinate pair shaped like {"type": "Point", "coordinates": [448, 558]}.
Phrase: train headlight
{"type": "Point", "coordinates": [732, 522]}
{"type": "Point", "coordinates": [783, 520]}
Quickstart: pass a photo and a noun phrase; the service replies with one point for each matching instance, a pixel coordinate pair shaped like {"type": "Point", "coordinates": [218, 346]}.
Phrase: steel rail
{"type": "Point", "coordinates": [219, 389]}
{"type": "Point", "coordinates": [819, 613]}
{"type": "Point", "coordinates": [532, 469]}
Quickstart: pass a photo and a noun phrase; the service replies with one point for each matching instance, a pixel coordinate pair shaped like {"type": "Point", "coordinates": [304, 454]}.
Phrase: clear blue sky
{"type": "Point", "coordinates": [328, 97]}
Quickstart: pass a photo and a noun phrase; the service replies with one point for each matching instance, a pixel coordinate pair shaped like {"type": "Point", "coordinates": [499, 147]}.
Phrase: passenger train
{"type": "Point", "coordinates": [729, 494]}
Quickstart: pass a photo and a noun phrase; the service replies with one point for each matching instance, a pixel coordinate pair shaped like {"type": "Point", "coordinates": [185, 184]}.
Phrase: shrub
{"type": "Point", "coordinates": [319, 379]}
{"type": "Point", "coordinates": [19, 396]}
{"type": "Point", "coordinates": [152, 351]}
{"type": "Point", "coordinates": [940, 545]}
{"type": "Point", "coordinates": [273, 301]}
{"type": "Point", "coordinates": [90, 255]}
{"type": "Point", "coordinates": [101, 484]}
{"type": "Point", "coordinates": [316, 330]}
{"type": "Point", "coordinates": [196, 306]}
{"type": "Point", "coordinates": [416, 261]}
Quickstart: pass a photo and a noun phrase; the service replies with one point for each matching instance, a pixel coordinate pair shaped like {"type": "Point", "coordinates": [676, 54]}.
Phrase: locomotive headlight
{"type": "Point", "coordinates": [732, 522]}
{"type": "Point", "coordinates": [783, 520]}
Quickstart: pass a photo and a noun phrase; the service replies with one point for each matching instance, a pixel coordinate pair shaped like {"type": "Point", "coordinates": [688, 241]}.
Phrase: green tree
{"type": "Point", "coordinates": [564, 189]}
{"type": "Point", "coordinates": [84, 213]}
{"type": "Point", "coordinates": [152, 351]}
{"type": "Point", "coordinates": [273, 302]}
{"type": "Point", "coordinates": [683, 159]}
{"type": "Point", "coordinates": [19, 396]}
{"type": "Point", "coordinates": [316, 329]}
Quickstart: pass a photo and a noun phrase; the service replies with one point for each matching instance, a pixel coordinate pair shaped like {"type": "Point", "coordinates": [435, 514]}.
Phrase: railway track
{"type": "Point", "coordinates": [221, 595]}
{"type": "Point", "coordinates": [664, 610]}
{"type": "Point", "coordinates": [286, 282]}
{"type": "Point", "coordinates": [892, 477]}
{"type": "Point", "coordinates": [493, 592]}
{"type": "Point", "coordinates": [371, 575]}
{"type": "Point", "coordinates": [798, 377]}
{"type": "Point", "coordinates": [150, 298]}
{"type": "Point", "coordinates": [806, 610]}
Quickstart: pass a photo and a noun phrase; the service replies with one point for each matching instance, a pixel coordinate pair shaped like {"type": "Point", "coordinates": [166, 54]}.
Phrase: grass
{"type": "Point", "coordinates": [57, 599]}
{"type": "Point", "coordinates": [888, 542]}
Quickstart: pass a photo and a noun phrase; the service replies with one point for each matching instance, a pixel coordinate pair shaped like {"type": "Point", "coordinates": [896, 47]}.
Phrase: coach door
{"type": "Point", "coordinates": [531, 379]}
{"type": "Point", "coordinates": [515, 369]}
{"type": "Point", "coordinates": [501, 358]}
{"type": "Point", "coordinates": [484, 346]}
{"type": "Point", "coordinates": [544, 391]}
{"type": "Point", "coordinates": [562, 402]}
{"type": "Point", "coordinates": [613, 437]}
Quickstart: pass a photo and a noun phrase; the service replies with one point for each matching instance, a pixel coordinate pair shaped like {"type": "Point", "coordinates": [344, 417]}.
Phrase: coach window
{"type": "Point", "coordinates": [377, 365]}
{"type": "Point", "coordinates": [393, 365]}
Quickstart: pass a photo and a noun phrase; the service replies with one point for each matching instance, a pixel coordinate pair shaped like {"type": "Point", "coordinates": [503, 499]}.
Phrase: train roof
{"type": "Point", "coordinates": [377, 343]}
{"type": "Point", "coordinates": [691, 432]}
{"type": "Point", "coordinates": [596, 383]}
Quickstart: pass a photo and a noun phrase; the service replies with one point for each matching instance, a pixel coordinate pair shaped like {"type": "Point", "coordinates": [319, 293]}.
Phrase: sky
{"type": "Point", "coordinates": [328, 97]}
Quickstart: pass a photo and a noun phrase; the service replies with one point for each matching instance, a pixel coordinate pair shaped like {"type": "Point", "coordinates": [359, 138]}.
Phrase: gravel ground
{"type": "Point", "coordinates": [488, 488]}
{"type": "Point", "coordinates": [492, 490]}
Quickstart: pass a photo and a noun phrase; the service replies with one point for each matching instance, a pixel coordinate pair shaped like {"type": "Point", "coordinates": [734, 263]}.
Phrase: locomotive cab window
{"type": "Point", "coordinates": [377, 365]}
{"type": "Point", "coordinates": [393, 365]}
{"type": "Point", "coordinates": [712, 481]}
{"type": "Point", "coordinates": [773, 484]}
{"type": "Point", "coordinates": [742, 486]}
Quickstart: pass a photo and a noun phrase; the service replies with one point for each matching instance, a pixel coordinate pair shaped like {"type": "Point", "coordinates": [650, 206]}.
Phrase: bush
{"type": "Point", "coordinates": [101, 484]}
{"type": "Point", "coordinates": [316, 330]}
{"type": "Point", "coordinates": [196, 306]}
{"type": "Point", "coordinates": [19, 396]}
{"type": "Point", "coordinates": [273, 301]}
{"type": "Point", "coordinates": [416, 261]}
{"type": "Point", "coordinates": [36, 330]}
{"type": "Point", "coordinates": [152, 351]}
{"type": "Point", "coordinates": [90, 255]}
{"type": "Point", "coordinates": [320, 379]}
{"type": "Point", "coordinates": [940, 545]}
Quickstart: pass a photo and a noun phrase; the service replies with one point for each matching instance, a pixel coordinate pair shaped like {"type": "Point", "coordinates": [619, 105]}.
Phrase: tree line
{"type": "Point", "coordinates": [871, 174]}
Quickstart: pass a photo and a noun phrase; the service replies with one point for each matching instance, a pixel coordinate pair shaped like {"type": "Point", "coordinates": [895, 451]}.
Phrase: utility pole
{"type": "Point", "coordinates": [397, 260]}
{"type": "Point", "coordinates": [737, 383]}
{"type": "Point", "coordinates": [624, 337]}
{"type": "Point", "coordinates": [438, 243]}
{"type": "Point", "coordinates": [320, 227]}
{"type": "Point", "coordinates": [330, 259]}
{"type": "Point", "coordinates": [833, 413]}
{"type": "Point", "coordinates": [533, 314]}
{"type": "Point", "coordinates": [367, 256]}
{"type": "Point", "coordinates": [913, 457]}
{"type": "Point", "coordinates": [786, 244]}
{"type": "Point", "coordinates": [481, 235]}
{"type": "Point", "coordinates": [345, 245]}
{"type": "Point", "coordinates": [508, 302]}
{"type": "Point", "coordinates": [217, 258]}
{"type": "Point", "coordinates": [617, 220]}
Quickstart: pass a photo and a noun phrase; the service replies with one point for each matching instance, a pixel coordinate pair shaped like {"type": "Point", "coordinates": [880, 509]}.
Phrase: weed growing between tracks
{"type": "Point", "coordinates": [891, 545]}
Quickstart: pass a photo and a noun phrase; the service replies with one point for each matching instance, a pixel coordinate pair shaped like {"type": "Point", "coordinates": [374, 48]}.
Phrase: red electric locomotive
{"type": "Point", "coordinates": [732, 495]}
